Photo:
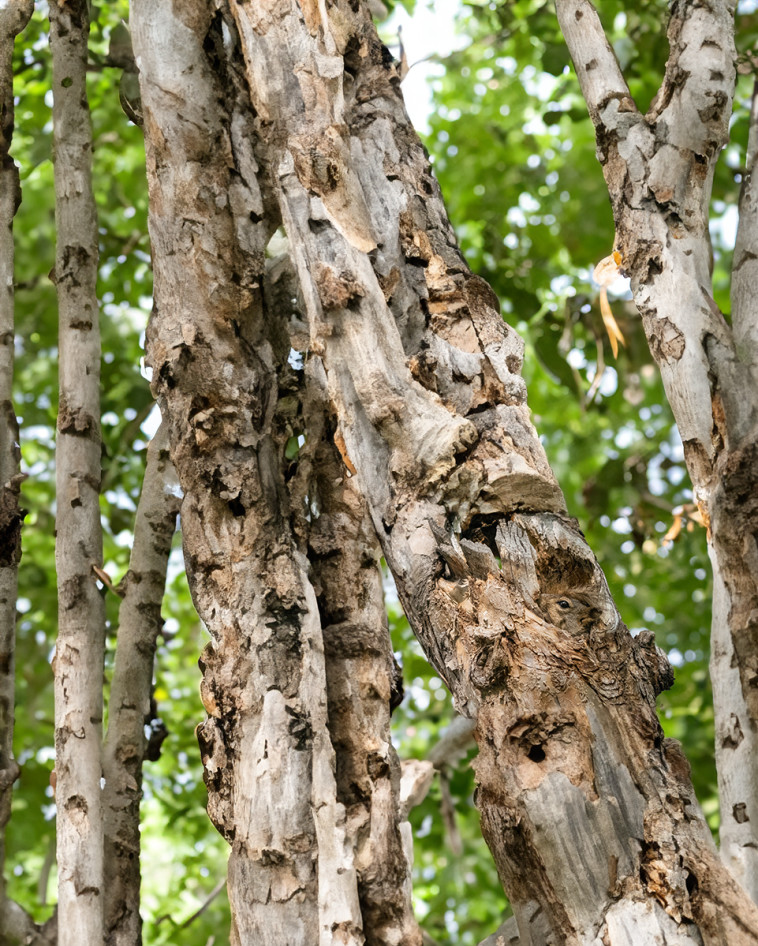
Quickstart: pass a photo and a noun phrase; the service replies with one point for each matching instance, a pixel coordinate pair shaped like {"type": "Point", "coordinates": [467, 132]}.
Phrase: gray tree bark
{"type": "Point", "coordinates": [80, 646]}
{"type": "Point", "coordinates": [497, 581]}
{"type": "Point", "coordinates": [363, 681]}
{"type": "Point", "coordinates": [506, 597]}
{"type": "Point", "coordinates": [659, 170]}
{"type": "Point", "coordinates": [129, 708]}
{"type": "Point", "coordinates": [215, 348]}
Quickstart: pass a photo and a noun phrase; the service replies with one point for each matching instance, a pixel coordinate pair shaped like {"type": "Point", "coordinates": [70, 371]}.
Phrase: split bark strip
{"type": "Point", "coordinates": [269, 764]}
{"type": "Point", "coordinates": [573, 767]}
{"type": "Point", "coordinates": [13, 18]}
{"type": "Point", "coordinates": [363, 680]}
{"type": "Point", "coordinates": [659, 171]}
{"type": "Point", "coordinates": [140, 623]}
{"type": "Point", "coordinates": [79, 653]}
{"type": "Point", "coordinates": [745, 268]}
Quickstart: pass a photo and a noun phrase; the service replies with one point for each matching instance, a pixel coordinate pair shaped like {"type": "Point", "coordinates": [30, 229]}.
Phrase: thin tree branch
{"type": "Point", "coordinates": [455, 741]}
{"type": "Point", "coordinates": [44, 874]}
{"type": "Point", "coordinates": [79, 656]}
{"type": "Point", "coordinates": [18, 927]}
{"type": "Point", "coordinates": [205, 904]}
{"type": "Point", "coordinates": [140, 624]}
{"type": "Point", "coordinates": [659, 173]}
{"type": "Point", "coordinates": [600, 76]}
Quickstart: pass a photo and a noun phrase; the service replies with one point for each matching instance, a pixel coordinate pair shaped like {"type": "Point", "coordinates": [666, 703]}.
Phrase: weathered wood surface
{"type": "Point", "coordinates": [659, 170]}
{"type": "Point", "coordinates": [129, 708]}
{"type": "Point", "coordinates": [496, 579]}
{"type": "Point", "coordinates": [363, 679]}
{"type": "Point", "coordinates": [218, 348]}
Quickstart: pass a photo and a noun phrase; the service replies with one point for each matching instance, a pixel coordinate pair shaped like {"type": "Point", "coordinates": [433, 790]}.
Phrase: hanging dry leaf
{"type": "Point", "coordinates": [607, 270]}
{"type": "Point", "coordinates": [604, 274]}
{"type": "Point", "coordinates": [673, 533]}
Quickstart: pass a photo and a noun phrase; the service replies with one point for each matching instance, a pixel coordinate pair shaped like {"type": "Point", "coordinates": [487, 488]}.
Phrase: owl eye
{"type": "Point", "coordinates": [562, 603]}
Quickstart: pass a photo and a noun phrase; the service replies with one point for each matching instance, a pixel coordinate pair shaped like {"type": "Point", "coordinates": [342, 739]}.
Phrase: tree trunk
{"type": "Point", "coordinates": [659, 171]}
{"type": "Point", "coordinates": [79, 653]}
{"type": "Point", "coordinates": [497, 581]}
{"type": "Point", "coordinates": [215, 348]}
{"type": "Point", "coordinates": [363, 680]}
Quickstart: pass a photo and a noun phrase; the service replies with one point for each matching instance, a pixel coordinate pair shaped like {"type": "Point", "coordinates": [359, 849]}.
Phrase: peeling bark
{"type": "Point", "coordinates": [126, 745]}
{"type": "Point", "coordinates": [497, 581]}
{"type": "Point", "coordinates": [362, 679]}
{"type": "Point", "coordinates": [745, 268]}
{"type": "Point", "coordinates": [79, 653]}
{"type": "Point", "coordinates": [659, 171]}
{"type": "Point", "coordinates": [213, 346]}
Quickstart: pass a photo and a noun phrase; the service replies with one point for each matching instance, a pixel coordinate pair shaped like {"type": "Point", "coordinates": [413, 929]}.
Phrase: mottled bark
{"type": "Point", "coordinates": [659, 171]}
{"type": "Point", "coordinates": [79, 653]}
{"type": "Point", "coordinates": [214, 348]}
{"type": "Point", "coordinates": [126, 745]}
{"type": "Point", "coordinates": [745, 270]}
{"type": "Point", "coordinates": [495, 578]}
{"type": "Point", "coordinates": [505, 935]}
{"type": "Point", "coordinates": [362, 677]}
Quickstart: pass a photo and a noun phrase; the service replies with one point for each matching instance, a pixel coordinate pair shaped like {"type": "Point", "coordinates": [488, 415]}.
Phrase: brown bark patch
{"type": "Point", "coordinates": [714, 111]}
{"type": "Point", "coordinates": [641, 258]}
{"type": "Point", "coordinates": [11, 520]}
{"type": "Point", "coordinates": [71, 593]}
{"type": "Point", "coordinates": [416, 245]}
{"type": "Point", "coordinates": [423, 367]}
{"type": "Point", "coordinates": [389, 283]}
{"type": "Point", "coordinates": [77, 422]}
{"type": "Point", "coordinates": [212, 741]}
{"type": "Point", "coordinates": [337, 290]}
{"type": "Point", "coordinates": [698, 463]}
{"type": "Point", "coordinates": [74, 260]}
{"type": "Point", "coordinates": [196, 17]}
{"type": "Point", "coordinates": [319, 159]}
{"type": "Point", "coordinates": [311, 15]}
{"type": "Point", "coordinates": [666, 341]}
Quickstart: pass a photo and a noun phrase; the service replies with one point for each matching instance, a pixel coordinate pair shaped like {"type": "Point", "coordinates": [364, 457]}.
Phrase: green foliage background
{"type": "Point", "coordinates": [514, 152]}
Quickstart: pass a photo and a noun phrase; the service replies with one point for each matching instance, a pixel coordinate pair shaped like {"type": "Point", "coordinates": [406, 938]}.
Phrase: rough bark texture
{"type": "Point", "coordinates": [745, 271]}
{"type": "Point", "coordinates": [659, 170]}
{"type": "Point", "coordinates": [79, 654]}
{"type": "Point", "coordinates": [573, 767]}
{"type": "Point", "coordinates": [505, 935]}
{"type": "Point", "coordinates": [214, 349]}
{"type": "Point", "coordinates": [126, 745]}
{"type": "Point", "coordinates": [363, 679]}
